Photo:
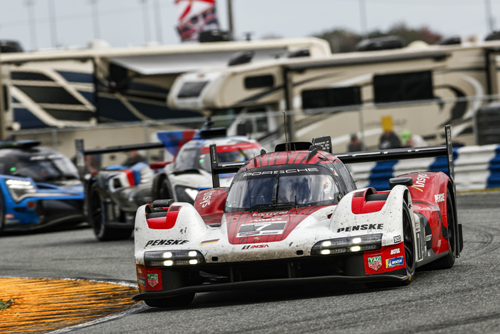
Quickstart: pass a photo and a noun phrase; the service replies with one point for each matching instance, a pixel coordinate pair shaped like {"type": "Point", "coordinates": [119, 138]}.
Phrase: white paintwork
{"type": "Point", "coordinates": [315, 228]}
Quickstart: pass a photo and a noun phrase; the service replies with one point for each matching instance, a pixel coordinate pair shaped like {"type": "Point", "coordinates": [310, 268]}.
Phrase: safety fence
{"type": "Point", "coordinates": [423, 117]}
{"type": "Point", "coordinates": [476, 167]}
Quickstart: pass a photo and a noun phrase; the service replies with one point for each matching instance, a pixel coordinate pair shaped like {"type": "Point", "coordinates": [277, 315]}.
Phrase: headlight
{"type": "Point", "coordinates": [20, 189]}
{"type": "Point", "coordinates": [171, 258]}
{"type": "Point", "coordinates": [348, 245]}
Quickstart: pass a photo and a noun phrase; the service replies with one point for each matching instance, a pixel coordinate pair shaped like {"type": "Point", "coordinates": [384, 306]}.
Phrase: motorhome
{"type": "Point", "coordinates": [78, 87]}
{"type": "Point", "coordinates": [421, 86]}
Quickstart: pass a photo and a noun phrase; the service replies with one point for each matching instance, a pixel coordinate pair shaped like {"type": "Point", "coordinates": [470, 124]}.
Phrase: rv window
{"type": "Point", "coordinates": [331, 97]}
{"type": "Point", "coordinates": [118, 77]}
{"type": "Point", "coordinates": [403, 87]}
{"type": "Point", "coordinates": [260, 81]}
{"type": "Point", "coordinates": [47, 94]}
{"type": "Point", "coordinates": [191, 89]}
{"type": "Point", "coordinates": [33, 76]}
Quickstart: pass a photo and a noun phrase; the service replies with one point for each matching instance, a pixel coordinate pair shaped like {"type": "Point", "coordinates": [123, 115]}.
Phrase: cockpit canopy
{"type": "Point", "coordinates": [282, 186]}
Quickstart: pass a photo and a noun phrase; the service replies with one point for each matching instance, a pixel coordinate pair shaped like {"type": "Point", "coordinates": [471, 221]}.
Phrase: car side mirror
{"type": "Point", "coordinates": [404, 181]}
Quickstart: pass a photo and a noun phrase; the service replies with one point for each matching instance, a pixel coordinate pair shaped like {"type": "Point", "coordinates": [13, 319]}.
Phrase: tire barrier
{"type": "Point", "coordinates": [476, 168]}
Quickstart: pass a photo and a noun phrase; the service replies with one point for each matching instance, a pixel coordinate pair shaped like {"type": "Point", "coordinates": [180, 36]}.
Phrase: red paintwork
{"type": "Point", "coordinates": [290, 158]}
{"type": "Point", "coordinates": [210, 204]}
{"type": "Point", "coordinates": [167, 222]}
{"type": "Point", "coordinates": [425, 187]}
{"type": "Point", "coordinates": [156, 166]}
{"type": "Point", "coordinates": [143, 271]}
{"type": "Point", "coordinates": [292, 218]}
{"type": "Point", "coordinates": [232, 148]}
{"type": "Point", "coordinates": [385, 253]}
{"type": "Point", "coordinates": [360, 206]}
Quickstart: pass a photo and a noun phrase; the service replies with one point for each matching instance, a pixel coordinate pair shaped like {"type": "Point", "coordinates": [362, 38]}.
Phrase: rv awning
{"type": "Point", "coordinates": [181, 63]}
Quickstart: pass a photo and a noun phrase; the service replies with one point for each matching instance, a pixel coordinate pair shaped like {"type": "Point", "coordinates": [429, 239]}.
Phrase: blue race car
{"type": "Point", "coordinates": [39, 187]}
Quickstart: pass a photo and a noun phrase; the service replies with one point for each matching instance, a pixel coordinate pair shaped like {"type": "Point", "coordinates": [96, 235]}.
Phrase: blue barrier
{"type": "Point", "coordinates": [476, 167]}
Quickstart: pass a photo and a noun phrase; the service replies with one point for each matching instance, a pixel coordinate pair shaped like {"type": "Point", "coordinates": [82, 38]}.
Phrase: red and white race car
{"type": "Point", "coordinates": [294, 216]}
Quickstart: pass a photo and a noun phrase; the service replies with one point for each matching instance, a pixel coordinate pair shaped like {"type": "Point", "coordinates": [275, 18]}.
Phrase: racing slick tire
{"type": "Point", "coordinates": [409, 247]}
{"type": "Point", "coordinates": [162, 188]}
{"type": "Point", "coordinates": [448, 261]}
{"type": "Point", "coordinates": [2, 213]}
{"type": "Point", "coordinates": [182, 300]}
{"type": "Point", "coordinates": [97, 218]}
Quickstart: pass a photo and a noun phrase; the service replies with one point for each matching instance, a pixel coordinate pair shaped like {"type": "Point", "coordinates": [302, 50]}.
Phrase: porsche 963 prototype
{"type": "Point", "coordinates": [294, 216]}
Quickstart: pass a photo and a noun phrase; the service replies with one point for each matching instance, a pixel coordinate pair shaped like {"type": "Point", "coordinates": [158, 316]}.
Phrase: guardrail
{"type": "Point", "coordinates": [476, 167]}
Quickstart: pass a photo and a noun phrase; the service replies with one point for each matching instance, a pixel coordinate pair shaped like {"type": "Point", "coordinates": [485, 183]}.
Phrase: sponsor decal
{"type": "Point", "coordinates": [361, 227]}
{"type": "Point", "coordinates": [255, 246]}
{"type": "Point", "coordinates": [257, 229]}
{"type": "Point", "coordinates": [395, 251]}
{"type": "Point", "coordinates": [163, 242]}
{"type": "Point", "coordinates": [282, 171]}
{"type": "Point", "coordinates": [439, 198]}
{"type": "Point", "coordinates": [439, 243]}
{"type": "Point", "coordinates": [206, 199]}
{"type": "Point", "coordinates": [394, 262]}
{"type": "Point", "coordinates": [420, 181]}
{"type": "Point", "coordinates": [208, 242]}
{"type": "Point", "coordinates": [142, 282]}
{"type": "Point", "coordinates": [153, 280]}
{"type": "Point", "coordinates": [139, 270]}
{"type": "Point", "coordinates": [269, 214]}
{"type": "Point", "coordinates": [375, 262]}
{"type": "Point", "coordinates": [9, 216]}
{"type": "Point", "coordinates": [397, 239]}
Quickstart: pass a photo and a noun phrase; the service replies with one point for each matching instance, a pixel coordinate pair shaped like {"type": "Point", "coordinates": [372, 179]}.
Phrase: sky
{"type": "Point", "coordinates": [121, 22]}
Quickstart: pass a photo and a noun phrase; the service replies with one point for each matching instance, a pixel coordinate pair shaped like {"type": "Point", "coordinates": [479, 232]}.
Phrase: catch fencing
{"type": "Point", "coordinates": [476, 167]}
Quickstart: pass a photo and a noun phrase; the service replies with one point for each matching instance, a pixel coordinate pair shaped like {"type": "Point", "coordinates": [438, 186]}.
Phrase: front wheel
{"type": "Point", "coordinates": [162, 188]}
{"type": "Point", "coordinates": [176, 301]}
{"type": "Point", "coordinates": [409, 248]}
{"type": "Point", "coordinates": [409, 245]}
{"type": "Point", "coordinates": [97, 218]}
{"type": "Point", "coordinates": [2, 213]}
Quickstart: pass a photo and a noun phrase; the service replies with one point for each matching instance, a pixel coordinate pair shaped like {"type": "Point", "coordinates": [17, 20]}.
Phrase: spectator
{"type": "Point", "coordinates": [355, 145]}
{"type": "Point", "coordinates": [388, 139]}
{"type": "Point", "coordinates": [133, 158]}
{"type": "Point", "coordinates": [412, 140]}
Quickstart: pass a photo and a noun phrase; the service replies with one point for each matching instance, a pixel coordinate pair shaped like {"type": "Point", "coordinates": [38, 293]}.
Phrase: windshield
{"type": "Point", "coordinates": [264, 189]}
{"type": "Point", "coordinates": [195, 158]}
{"type": "Point", "coordinates": [43, 168]}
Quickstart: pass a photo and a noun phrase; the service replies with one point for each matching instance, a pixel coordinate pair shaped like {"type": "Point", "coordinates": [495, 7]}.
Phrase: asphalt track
{"type": "Point", "coordinates": [465, 299]}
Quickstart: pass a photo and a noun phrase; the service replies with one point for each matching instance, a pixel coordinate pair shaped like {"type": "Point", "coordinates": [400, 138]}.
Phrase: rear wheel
{"type": "Point", "coordinates": [449, 260]}
{"type": "Point", "coordinates": [171, 302]}
{"type": "Point", "coordinates": [97, 218]}
{"type": "Point", "coordinates": [2, 213]}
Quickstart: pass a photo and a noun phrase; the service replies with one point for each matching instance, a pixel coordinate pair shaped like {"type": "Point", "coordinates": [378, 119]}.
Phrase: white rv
{"type": "Point", "coordinates": [422, 87]}
{"type": "Point", "coordinates": [86, 86]}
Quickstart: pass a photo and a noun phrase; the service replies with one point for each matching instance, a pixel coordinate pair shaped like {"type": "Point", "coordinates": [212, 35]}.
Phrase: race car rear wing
{"type": "Point", "coordinates": [324, 143]}
{"type": "Point", "coordinates": [81, 152]}
{"type": "Point", "coordinates": [405, 153]}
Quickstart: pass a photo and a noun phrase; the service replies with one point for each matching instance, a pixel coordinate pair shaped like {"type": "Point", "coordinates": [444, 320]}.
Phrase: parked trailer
{"type": "Point", "coordinates": [87, 86]}
{"type": "Point", "coordinates": [421, 86]}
